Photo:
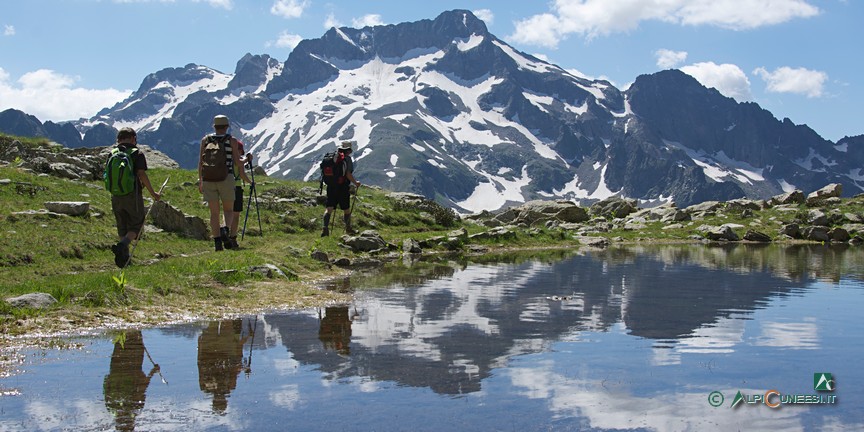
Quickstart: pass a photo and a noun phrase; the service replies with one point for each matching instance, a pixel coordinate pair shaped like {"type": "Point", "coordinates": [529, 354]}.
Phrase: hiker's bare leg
{"type": "Point", "coordinates": [214, 217]}
{"type": "Point", "coordinates": [228, 209]}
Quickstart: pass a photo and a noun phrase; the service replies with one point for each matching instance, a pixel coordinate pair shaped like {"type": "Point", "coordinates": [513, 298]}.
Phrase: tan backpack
{"type": "Point", "coordinates": [214, 161]}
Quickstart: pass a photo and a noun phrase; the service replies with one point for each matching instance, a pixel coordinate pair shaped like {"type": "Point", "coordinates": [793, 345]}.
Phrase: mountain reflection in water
{"type": "Point", "coordinates": [618, 338]}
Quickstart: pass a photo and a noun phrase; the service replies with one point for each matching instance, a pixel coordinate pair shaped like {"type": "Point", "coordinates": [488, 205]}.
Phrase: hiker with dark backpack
{"type": "Point", "coordinates": [218, 159]}
{"type": "Point", "coordinates": [337, 172]}
{"type": "Point", "coordinates": [125, 177]}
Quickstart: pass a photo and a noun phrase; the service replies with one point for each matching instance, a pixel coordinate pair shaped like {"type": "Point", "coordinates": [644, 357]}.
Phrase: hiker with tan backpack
{"type": "Point", "coordinates": [219, 160]}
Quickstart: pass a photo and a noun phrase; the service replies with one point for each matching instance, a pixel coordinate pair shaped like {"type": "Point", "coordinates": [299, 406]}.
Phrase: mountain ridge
{"type": "Point", "coordinates": [445, 109]}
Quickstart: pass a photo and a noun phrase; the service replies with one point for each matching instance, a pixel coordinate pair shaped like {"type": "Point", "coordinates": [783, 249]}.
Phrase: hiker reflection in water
{"type": "Point", "coordinates": [126, 384]}
{"type": "Point", "coordinates": [335, 329]}
{"type": "Point", "coordinates": [220, 360]}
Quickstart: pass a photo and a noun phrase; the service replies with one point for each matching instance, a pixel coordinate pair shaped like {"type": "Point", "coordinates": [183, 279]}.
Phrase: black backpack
{"type": "Point", "coordinates": [332, 173]}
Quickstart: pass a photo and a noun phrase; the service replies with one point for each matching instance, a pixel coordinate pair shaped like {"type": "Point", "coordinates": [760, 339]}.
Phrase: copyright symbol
{"type": "Point", "coordinates": [715, 399]}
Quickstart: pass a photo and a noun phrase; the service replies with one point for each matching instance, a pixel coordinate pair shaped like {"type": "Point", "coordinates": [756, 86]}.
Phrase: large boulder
{"type": "Point", "coordinates": [169, 218]}
{"type": "Point", "coordinates": [718, 233]}
{"type": "Point", "coordinates": [794, 197]}
{"type": "Point", "coordinates": [834, 190]}
{"type": "Point", "coordinates": [614, 208]}
{"type": "Point", "coordinates": [367, 241]}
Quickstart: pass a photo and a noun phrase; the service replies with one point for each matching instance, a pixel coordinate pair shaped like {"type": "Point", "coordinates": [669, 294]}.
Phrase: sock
{"type": "Point", "coordinates": [326, 220]}
{"type": "Point", "coordinates": [125, 241]}
{"type": "Point", "coordinates": [217, 241]}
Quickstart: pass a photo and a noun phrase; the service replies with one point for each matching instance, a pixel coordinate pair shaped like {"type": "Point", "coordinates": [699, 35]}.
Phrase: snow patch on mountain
{"type": "Point", "coordinates": [497, 191]}
{"type": "Point", "coordinates": [470, 43]}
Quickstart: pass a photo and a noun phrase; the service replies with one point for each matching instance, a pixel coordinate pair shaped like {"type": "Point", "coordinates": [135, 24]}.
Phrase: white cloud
{"type": "Point", "coordinates": [331, 21]}
{"type": "Point", "coordinates": [592, 18]}
{"type": "Point", "coordinates": [49, 95]}
{"type": "Point", "coordinates": [728, 79]}
{"type": "Point", "coordinates": [486, 15]}
{"type": "Point", "coordinates": [286, 40]}
{"type": "Point", "coordinates": [668, 59]}
{"type": "Point", "coordinates": [798, 80]}
{"type": "Point", "coordinates": [289, 8]}
{"type": "Point", "coordinates": [8, 30]}
{"type": "Point", "coordinates": [369, 20]}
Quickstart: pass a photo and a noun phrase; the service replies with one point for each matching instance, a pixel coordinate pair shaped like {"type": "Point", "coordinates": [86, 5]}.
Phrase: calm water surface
{"type": "Point", "coordinates": [619, 339]}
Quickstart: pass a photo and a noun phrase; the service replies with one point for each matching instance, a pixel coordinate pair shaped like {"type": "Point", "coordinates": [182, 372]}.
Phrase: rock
{"type": "Point", "coordinates": [816, 233]}
{"type": "Point", "coordinates": [794, 197]}
{"type": "Point", "coordinates": [718, 233]}
{"type": "Point", "coordinates": [614, 208]}
{"type": "Point", "coordinates": [756, 236]}
{"type": "Point", "coordinates": [368, 240]}
{"type": "Point", "coordinates": [32, 300]}
{"type": "Point", "coordinates": [541, 211]}
{"type": "Point", "coordinates": [817, 217]}
{"type": "Point", "coordinates": [833, 190]}
{"type": "Point", "coordinates": [342, 262]}
{"type": "Point", "coordinates": [792, 230]}
{"type": "Point", "coordinates": [495, 233]}
{"type": "Point", "coordinates": [171, 219]}
{"type": "Point", "coordinates": [594, 241]}
{"type": "Point", "coordinates": [478, 249]}
{"type": "Point", "coordinates": [320, 256]}
{"type": "Point", "coordinates": [71, 208]}
{"type": "Point", "coordinates": [409, 245]}
{"type": "Point", "coordinates": [269, 271]}
{"type": "Point", "coordinates": [460, 233]}
{"type": "Point", "coordinates": [739, 205]}
{"type": "Point", "coordinates": [839, 235]}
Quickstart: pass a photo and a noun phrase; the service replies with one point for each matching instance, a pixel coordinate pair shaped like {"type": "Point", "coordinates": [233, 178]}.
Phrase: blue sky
{"type": "Point", "coordinates": [801, 59]}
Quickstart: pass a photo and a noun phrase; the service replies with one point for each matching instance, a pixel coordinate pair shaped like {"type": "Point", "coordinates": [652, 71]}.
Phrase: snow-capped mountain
{"type": "Point", "coordinates": [444, 108]}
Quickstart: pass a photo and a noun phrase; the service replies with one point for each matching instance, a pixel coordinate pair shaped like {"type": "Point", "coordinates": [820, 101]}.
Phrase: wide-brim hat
{"type": "Point", "coordinates": [346, 145]}
{"type": "Point", "coordinates": [220, 120]}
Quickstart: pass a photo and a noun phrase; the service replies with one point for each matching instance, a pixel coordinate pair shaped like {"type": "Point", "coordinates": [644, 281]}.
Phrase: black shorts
{"type": "Point", "coordinates": [238, 198]}
{"type": "Point", "coordinates": [338, 196]}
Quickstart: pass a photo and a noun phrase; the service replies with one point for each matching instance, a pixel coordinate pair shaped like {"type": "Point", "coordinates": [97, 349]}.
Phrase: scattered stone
{"type": "Point", "coordinates": [32, 300]}
{"type": "Point", "coordinates": [320, 256]}
{"type": "Point", "coordinates": [794, 197]}
{"type": "Point", "coordinates": [71, 208]}
{"type": "Point", "coordinates": [718, 233]}
{"type": "Point", "coordinates": [368, 240]}
{"type": "Point", "coordinates": [409, 245]}
{"type": "Point", "coordinates": [756, 236]}
{"type": "Point", "coordinates": [269, 271]}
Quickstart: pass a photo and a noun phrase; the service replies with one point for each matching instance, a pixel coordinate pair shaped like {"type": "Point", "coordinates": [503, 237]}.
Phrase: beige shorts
{"type": "Point", "coordinates": [221, 191]}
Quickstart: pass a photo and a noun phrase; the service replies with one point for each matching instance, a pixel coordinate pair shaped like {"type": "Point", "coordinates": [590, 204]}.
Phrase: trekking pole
{"type": "Point", "coordinates": [155, 365]}
{"type": "Point", "coordinates": [141, 234]}
{"type": "Point", "coordinates": [246, 219]}
{"type": "Point", "coordinates": [257, 212]}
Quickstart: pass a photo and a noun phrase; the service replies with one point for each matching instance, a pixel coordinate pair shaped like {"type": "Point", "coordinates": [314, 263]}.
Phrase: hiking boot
{"type": "Point", "coordinates": [223, 234]}
{"type": "Point", "coordinates": [232, 243]}
{"type": "Point", "coordinates": [121, 254]}
{"type": "Point", "coordinates": [326, 232]}
{"type": "Point", "coordinates": [217, 243]}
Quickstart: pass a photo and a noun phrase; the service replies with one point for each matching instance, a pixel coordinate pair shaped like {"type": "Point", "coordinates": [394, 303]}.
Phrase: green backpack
{"type": "Point", "coordinates": [119, 175]}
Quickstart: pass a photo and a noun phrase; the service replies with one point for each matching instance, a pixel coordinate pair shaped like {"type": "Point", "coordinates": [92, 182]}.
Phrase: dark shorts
{"type": "Point", "coordinates": [129, 213]}
{"type": "Point", "coordinates": [238, 198]}
{"type": "Point", "coordinates": [338, 196]}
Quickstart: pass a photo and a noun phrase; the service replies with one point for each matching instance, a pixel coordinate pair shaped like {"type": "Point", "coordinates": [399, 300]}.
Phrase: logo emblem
{"type": "Point", "coordinates": [823, 381]}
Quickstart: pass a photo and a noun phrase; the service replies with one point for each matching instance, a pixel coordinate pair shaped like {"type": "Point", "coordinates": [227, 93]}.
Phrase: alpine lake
{"type": "Point", "coordinates": [640, 338]}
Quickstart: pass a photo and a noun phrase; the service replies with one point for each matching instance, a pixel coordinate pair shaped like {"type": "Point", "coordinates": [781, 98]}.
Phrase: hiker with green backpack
{"type": "Point", "coordinates": [125, 177]}
{"type": "Point", "coordinates": [218, 158]}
